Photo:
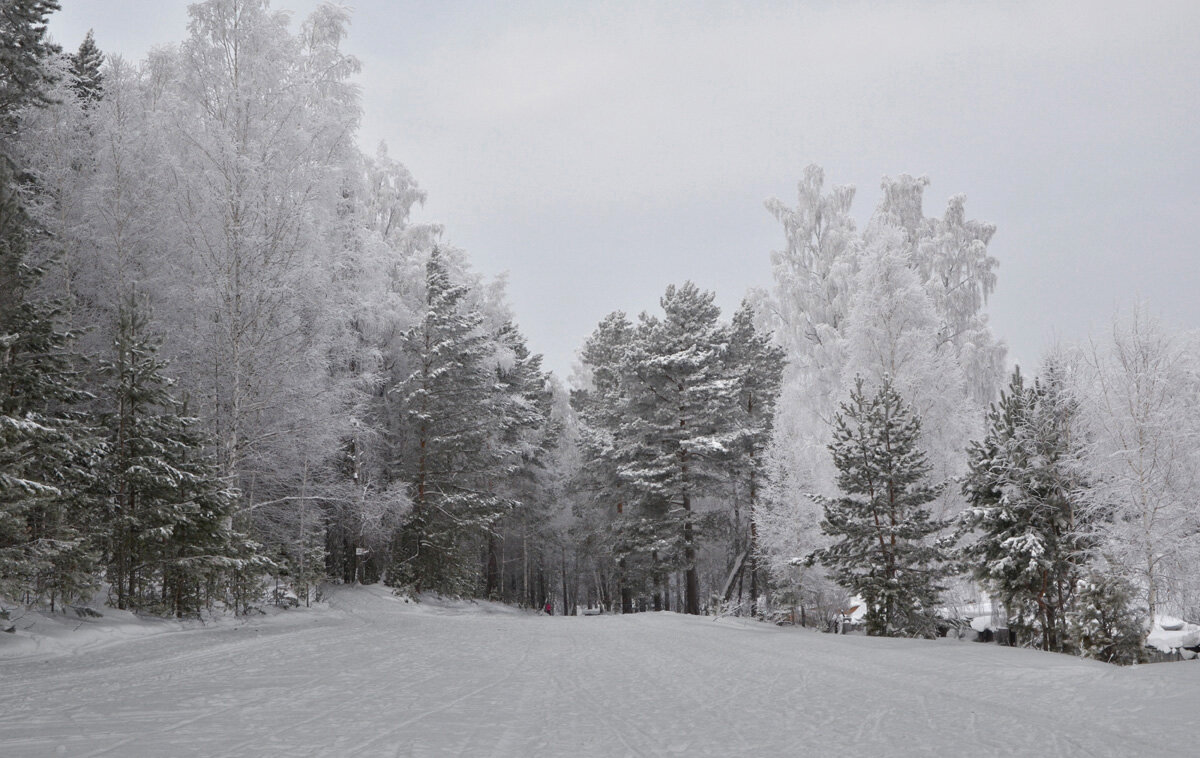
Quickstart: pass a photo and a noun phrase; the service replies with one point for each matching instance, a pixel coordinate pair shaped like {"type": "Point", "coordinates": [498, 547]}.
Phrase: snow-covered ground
{"type": "Point", "coordinates": [371, 675]}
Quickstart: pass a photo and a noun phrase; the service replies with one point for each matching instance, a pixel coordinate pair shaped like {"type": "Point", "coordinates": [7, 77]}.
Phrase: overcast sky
{"type": "Point", "coordinates": [600, 151]}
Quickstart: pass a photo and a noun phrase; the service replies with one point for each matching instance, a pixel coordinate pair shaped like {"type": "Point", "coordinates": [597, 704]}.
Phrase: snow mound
{"type": "Point", "coordinates": [81, 630]}
{"type": "Point", "coordinates": [1169, 634]}
{"type": "Point", "coordinates": [38, 631]}
{"type": "Point", "coordinates": [359, 598]}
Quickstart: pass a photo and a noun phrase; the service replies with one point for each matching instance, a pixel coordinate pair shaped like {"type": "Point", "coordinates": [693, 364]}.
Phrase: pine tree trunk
{"type": "Point", "coordinates": [623, 586]}
{"type": "Point", "coordinates": [691, 595]}
{"type": "Point", "coordinates": [525, 569]}
{"type": "Point", "coordinates": [492, 588]}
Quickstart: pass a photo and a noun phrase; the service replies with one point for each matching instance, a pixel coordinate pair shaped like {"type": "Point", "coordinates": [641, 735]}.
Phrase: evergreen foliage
{"type": "Point", "coordinates": [86, 77]}
{"type": "Point", "coordinates": [884, 551]}
{"type": "Point", "coordinates": [23, 53]}
{"type": "Point", "coordinates": [677, 431]}
{"type": "Point", "coordinates": [674, 414]}
{"type": "Point", "coordinates": [47, 450]}
{"type": "Point", "coordinates": [445, 422]}
{"type": "Point", "coordinates": [170, 541]}
{"type": "Point", "coordinates": [523, 435]}
{"type": "Point", "coordinates": [1105, 625]}
{"type": "Point", "coordinates": [755, 365]}
{"type": "Point", "coordinates": [599, 406]}
{"type": "Point", "coordinates": [1024, 489]}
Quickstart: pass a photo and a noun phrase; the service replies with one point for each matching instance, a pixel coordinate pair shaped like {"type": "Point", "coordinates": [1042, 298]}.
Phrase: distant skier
{"type": "Point", "coordinates": [549, 609]}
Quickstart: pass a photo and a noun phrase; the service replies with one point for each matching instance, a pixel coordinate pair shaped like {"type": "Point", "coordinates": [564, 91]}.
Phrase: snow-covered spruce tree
{"type": "Point", "coordinates": [1105, 624]}
{"type": "Point", "coordinates": [675, 438]}
{"type": "Point", "coordinates": [1025, 491]}
{"type": "Point", "coordinates": [47, 450]}
{"type": "Point", "coordinates": [25, 49]}
{"type": "Point", "coordinates": [169, 546]}
{"type": "Point", "coordinates": [884, 549]}
{"type": "Point", "coordinates": [445, 423]}
{"type": "Point", "coordinates": [86, 76]}
{"type": "Point", "coordinates": [755, 365]}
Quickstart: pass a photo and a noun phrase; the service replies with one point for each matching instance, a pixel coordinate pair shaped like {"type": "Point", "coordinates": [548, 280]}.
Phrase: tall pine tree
{"type": "Point", "coordinates": [521, 408]}
{"type": "Point", "coordinates": [676, 435]}
{"type": "Point", "coordinates": [884, 551]}
{"type": "Point", "coordinates": [756, 368]}
{"type": "Point", "coordinates": [1023, 488]}
{"type": "Point", "coordinates": [600, 405]}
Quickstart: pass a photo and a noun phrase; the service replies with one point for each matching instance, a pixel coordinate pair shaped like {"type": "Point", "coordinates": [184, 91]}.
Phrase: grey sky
{"type": "Point", "coordinates": [599, 151]}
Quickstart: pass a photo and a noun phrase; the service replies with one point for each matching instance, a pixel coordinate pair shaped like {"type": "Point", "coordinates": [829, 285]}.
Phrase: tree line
{"type": "Point", "coordinates": [234, 368]}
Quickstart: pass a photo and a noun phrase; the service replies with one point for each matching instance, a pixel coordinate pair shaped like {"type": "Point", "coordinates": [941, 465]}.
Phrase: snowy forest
{"type": "Point", "coordinates": [234, 370]}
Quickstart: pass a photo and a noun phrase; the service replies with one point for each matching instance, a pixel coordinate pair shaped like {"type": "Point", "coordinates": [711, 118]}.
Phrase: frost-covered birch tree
{"type": "Point", "coordinates": [260, 120]}
{"type": "Point", "coordinates": [1139, 392]}
{"type": "Point", "coordinates": [903, 297]}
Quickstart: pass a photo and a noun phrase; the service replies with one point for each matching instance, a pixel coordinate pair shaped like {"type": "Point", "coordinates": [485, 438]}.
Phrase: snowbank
{"type": "Point", "coordinates": [1168, 634]}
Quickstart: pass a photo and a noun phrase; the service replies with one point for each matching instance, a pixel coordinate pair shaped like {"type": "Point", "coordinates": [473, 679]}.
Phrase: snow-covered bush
{"type": "Point", "coordinates": [1105, 624]}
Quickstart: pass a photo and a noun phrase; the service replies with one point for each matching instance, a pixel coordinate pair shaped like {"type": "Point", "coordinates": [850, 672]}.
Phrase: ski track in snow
{"type": "Point", "coordinates": [372, 676]}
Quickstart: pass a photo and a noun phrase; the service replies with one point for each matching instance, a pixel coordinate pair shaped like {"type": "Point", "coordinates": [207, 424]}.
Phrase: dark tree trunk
{"type": "Point", "coordinates": [691, 593]}
{"type": "Point", "coordinates": [565, 594]}
{"type": "Point", "coordinates": [492, 588]}
{"type": "Point", "coordinates": [623, 586]}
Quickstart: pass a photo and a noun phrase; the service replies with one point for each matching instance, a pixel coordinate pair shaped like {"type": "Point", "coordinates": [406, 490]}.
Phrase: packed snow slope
{"type": "Point", "coordinates": [371, 675]}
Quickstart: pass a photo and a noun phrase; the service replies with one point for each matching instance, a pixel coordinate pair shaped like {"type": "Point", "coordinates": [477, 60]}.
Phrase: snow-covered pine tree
{"type": "Point", "coordinates": [445, 421]}
{"type": "Point", "coordinates": [885, 550]}
{"type": "Point", "coordinates": [1024, 491]}
{"type": "Point", "coordinates": [676, 437]}
{"type": "Point", "coordinates": [170, 544]}
{"type": "Point", "coordinates": [755, 365]}
{"type": "Point", "coordinates": [1105, 625]}
{"type": "Point", "coordinates": [599, 402]}
{"type": "Point", "coordinates": [521, 406]}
